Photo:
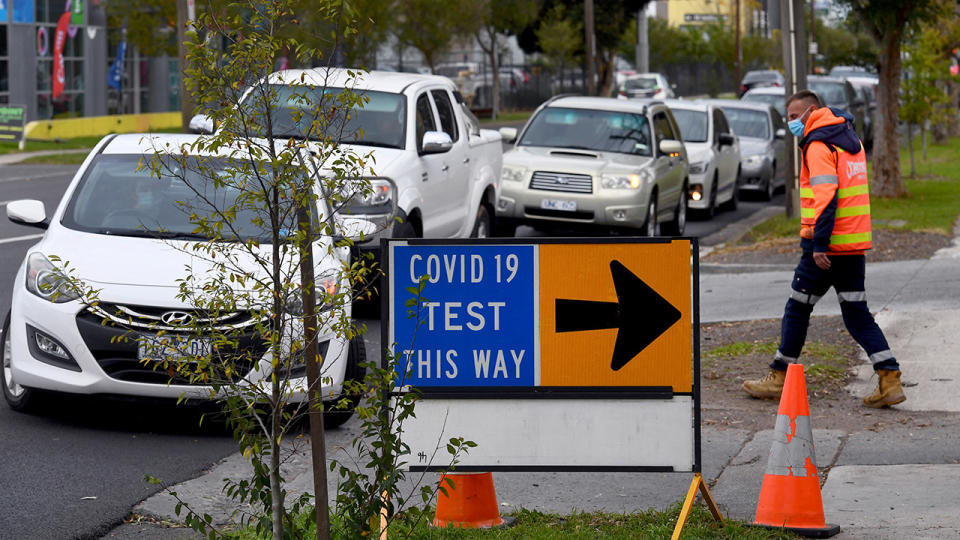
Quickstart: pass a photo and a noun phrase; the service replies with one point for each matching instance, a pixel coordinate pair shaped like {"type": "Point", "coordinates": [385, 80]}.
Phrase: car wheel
{"type": "Point", "coordinates": [768, 188]}
{"type": "Point", "coordinates": [19, 398]}
{"type": "Point", "coordinates": [334, 416]}
{"type": "Point", "coordinates": [481, 226]}
{"type": "Point", "coordinates": [651, 227]}
{"type": "Point", "coordinates": [679, 223]}
{"type": "Point", "coordinates": [712, 206]}
{"type": "Point", "coordinates": [735, 196]}
{"type": "Point", "coordinates": [504, 228]}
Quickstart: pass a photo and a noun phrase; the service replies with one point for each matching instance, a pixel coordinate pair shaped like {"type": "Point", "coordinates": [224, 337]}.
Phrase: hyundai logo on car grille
{"type": "Point", "coordinates": [176, 318]}
{"type": "Point", "coordinates": [565, 182]}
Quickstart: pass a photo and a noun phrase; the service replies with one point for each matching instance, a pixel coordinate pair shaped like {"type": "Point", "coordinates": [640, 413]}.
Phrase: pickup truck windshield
{"type": "Point", "coordinates": [588, 129]}
{"type": "Point", "coordinates": [114, 198]}
{"type": "Point", "coordinates": [379, 122]}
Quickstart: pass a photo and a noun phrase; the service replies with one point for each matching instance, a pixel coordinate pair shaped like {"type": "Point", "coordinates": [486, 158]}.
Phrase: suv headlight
{"type": "Point", "coordinates": [698, 167]}
{"type": "Point", "coordinates": [47, 282]}
{"type": "Point", "coordinates": [755, 159]}
{"type": "Point", "coordinates": [626, 181]}
{"type": "Point", "coordinates": [512, 174]}
{"type": "Point", "coordinates": [327, 287]}
{"type": "Point", "coordinates": [377, 198]}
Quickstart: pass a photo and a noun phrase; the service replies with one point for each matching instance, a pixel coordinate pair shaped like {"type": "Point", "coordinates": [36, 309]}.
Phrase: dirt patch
{"type": "Point", "coordinates": [732, 352]}
{"type": "Point", "coordinates": [888, 245]}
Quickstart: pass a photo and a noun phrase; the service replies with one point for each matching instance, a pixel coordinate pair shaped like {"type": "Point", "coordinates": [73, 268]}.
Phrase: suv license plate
{"type": "Point", "coordinates": [171, 347]}
{"type": "Point", "coordinates": [558, 204]}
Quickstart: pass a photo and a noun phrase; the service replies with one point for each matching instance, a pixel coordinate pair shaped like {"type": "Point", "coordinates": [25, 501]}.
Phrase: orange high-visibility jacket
{"type": "Point", "coordinates": [834, 190]}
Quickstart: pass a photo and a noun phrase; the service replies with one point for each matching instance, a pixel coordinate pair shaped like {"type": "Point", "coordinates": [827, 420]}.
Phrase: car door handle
{"type": "Point", "coordinates": [424, 177]}
{"type": "Point", "coordinates": [445, 168]}
{"type": "Point", "coordinates": [466, 160]}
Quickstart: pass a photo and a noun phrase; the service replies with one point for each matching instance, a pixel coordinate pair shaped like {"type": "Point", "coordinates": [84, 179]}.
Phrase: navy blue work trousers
{"type": "Point", "coordinates": [810, 283]}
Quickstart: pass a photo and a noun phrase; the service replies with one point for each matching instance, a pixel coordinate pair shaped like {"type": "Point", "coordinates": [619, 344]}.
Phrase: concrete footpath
{"type": "Point", "coordinates": [898, 483]}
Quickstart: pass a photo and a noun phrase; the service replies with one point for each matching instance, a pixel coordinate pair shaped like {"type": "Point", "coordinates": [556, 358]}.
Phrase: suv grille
{"type": "Point", "coordinates": [152, 318]}
{"type": "Point", "coordinates": [565, 182]}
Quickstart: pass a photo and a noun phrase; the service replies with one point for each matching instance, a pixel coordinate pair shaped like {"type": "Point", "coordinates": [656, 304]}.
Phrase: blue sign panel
{"type": "Point", "coordinates": [23, 11]}
{"type": "Point", "coordinates": [3, 11]}
{"type": "Point", "coordinates": [475, 322]}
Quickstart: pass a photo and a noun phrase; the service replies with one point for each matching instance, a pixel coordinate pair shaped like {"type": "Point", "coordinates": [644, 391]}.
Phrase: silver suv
{"type": "Point", "coordinates": [590, 161]}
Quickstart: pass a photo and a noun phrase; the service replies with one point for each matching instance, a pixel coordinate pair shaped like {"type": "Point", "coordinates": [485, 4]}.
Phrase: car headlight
{"type": "Point", "coordinates": [512, 174]}
{"type": "Point", "coordinates": [626, 181]}
{"type": "Point", "coordinates": [698, 167]}
{"type": "Point", "coordinates": [376, 198]}
{"type": "Point", "coordinates": [327, 287]}
{"type": "Point", "coordinates": [47, 282]}
{"type": "Point", "coordinates": [755, 159]}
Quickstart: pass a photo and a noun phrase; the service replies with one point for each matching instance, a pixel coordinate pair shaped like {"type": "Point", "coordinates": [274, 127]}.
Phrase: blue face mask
{"type": "Point", "coordinates": [796, 127]}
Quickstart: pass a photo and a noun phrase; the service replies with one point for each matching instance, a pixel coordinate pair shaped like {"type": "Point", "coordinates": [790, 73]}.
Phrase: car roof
{"type": "Point", "coordinates": [604, 103]}
{"type": "Point", "coordinates": [690, 105]}
{"type": "Point", "coordinates": [861, 81]}
{"type": "Point", "coordinates": [825, 78]}
{"type": "Point", "coordinates": [384, 81]}
{"type": "Point", "coordinates": [739, 104]}
{"type": "Point", "coordinates": [773, 90]}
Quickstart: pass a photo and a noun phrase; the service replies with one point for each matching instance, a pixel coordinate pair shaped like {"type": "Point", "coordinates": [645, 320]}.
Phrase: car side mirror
{"type": "Point", "coordinates": [671, 147]}
{"type": "Point", "coordinates": [726, 139]}
{"type": "Point", "coordinates": [509, 134]}
{"type": "Point", "coordinates": [29, 212]}
{"type": "Point", "coordinates": [673, 86]}
{"type": "Point", "coordinates": [202, 124]}
{"type": "Point", "coordinates": [436, 142]}
{"type": "Point", "coordinates": [780, 133]}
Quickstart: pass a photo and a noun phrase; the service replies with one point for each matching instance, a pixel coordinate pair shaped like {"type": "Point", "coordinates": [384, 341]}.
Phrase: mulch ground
{"type": "Point", "coordinates": [724, 404]}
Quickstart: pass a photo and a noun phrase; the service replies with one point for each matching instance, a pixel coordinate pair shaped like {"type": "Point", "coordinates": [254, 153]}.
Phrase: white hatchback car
{"type": "Point", "coordinates": [125, 232]}
{"type": "Point", "coordinates": [714, 154]}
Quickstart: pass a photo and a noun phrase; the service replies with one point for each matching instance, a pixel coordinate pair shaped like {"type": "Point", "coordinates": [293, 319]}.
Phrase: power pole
{"type": "Point", "coordinates": [737, 68]}
{"type": "Point", "coordinates": [591, 47]}
{"type": "Point", "coordinates": [186, 102]}
{"type": "Point", "coordinates": [813, 38]}
{"type": "Point", "coordinates": [795, 65]}
{"type": "Point", "coordinates": [642, 63]}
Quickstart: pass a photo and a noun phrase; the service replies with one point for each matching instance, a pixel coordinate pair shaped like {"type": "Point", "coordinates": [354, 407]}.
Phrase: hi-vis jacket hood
{"type": "Point", "coordinates": [834, 190]}
{"type": "Point", "coordinates": [832, 126]}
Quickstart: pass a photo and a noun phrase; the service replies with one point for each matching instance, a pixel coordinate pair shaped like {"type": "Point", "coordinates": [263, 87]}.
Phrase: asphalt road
{"type": "Point", "coordinates": [76, 469]}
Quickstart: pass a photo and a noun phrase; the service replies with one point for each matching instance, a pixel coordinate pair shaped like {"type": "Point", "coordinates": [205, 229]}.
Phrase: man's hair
{"type": "Point", "coordinates": [805, 95]}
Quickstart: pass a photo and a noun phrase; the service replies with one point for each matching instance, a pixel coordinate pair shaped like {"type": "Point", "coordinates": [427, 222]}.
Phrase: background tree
{"type": "Point", "coordinates": [922, 90]}
{"type": "Point", "coordinates": [431, 25]}
{"type": "Point", "coordinates": [501, 18]}
{"type": "Point", "coordinates": [886, 22]}
{"type": "Point", "coordinates": [561, 40]}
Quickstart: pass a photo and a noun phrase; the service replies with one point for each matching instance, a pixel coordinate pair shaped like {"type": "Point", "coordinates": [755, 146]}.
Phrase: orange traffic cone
{"type": "Point", "coordinates": [470, 503]}
{"type": "Point", "coordinates": [790, 495]}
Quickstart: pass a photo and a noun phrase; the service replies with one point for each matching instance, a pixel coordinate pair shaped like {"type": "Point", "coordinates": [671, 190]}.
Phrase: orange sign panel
{"type": "Point", "coordinates": [616, 314]}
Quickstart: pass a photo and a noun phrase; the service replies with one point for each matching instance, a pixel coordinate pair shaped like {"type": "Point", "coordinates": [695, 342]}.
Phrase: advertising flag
{"type": "Point", "coordinates": [60, 38]}
{"type": "Point", "coordinates": [115, 77]}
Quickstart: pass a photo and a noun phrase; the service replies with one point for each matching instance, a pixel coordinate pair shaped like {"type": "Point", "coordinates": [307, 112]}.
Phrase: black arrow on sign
{"type": "Point", "coordinates": [640, 315]}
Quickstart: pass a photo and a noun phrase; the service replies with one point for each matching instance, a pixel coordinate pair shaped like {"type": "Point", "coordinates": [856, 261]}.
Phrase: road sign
{"type": "Point", "coordinates": [604, 330]}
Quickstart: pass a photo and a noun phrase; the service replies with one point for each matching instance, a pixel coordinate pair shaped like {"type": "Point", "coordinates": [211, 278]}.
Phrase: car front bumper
{"type": "Point", "coordinates": [753, 177]}
{"type": "Point", "coordinates": [603, 207]}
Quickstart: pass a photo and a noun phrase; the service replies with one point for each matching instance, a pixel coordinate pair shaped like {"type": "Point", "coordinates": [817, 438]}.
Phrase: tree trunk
{"type": "Point", "coordinates": [186, 100]}
{"type": "Point", "coordinates": [913, 169]}
{"type": "Point", "coordinates": [276, 485]}
{"type": "Point", "coordinates": [886, 152]}
{"type": "Point", "coordinates": [953, 118]}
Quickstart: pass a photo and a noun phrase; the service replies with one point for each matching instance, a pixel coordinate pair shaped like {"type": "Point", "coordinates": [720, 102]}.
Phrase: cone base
{"type": "Point", "coordinates": [503, 521]}
{"type": "Point", "coordinates": [807, 532]}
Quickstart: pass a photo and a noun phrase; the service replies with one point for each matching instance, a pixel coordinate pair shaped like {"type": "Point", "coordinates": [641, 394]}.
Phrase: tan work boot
{"type": "Point", "coordinates": [769, 387]}
{"type": "Point", "coordinates": [888, 392]}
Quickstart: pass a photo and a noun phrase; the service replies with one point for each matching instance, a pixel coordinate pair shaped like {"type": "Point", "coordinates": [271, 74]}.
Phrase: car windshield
{"type": "Point", "coordinates": [114, 198]}
{"type": "Point", "coordinates": [748, 123]}
{"type": "Point", "coordinates": [755, 76]}
{"type": "Point", "coordinates": [778, 101]}
{"type": "Point", "coordinates": [640, 83]}
{"type": "Point", "coordinates": [830, 93]}
{"type": "Point", "coordinates": [378, 122]}
{"type": "Point", "coordinates": [693, 124]}
{"type": "Point", "coordinates": [587, 129]}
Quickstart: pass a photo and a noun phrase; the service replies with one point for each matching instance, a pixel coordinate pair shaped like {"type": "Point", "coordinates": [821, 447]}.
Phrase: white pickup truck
{"type": "Point", "coordinates": [423, 140]}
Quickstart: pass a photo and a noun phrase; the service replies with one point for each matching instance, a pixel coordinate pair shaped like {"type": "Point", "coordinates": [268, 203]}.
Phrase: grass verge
{"type": "Point", "coordinates": [932, 205]}
{"type": "Point", "coordinates": [533, 525]}
{"type": "Point", "coordinates": [32, 146]}
{"type": "Point", "coordinates": [74, 158]}
{"type": "Point", "coordinates": [824, 364]}
{"type": "Point", "coordinates": [504, 117]}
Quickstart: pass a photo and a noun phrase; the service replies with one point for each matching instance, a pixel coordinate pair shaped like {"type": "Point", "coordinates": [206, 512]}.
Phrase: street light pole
{"type": "Point", "coordinates": [591, 47]}
{"type": "Point", "coordinates": [795, 64]}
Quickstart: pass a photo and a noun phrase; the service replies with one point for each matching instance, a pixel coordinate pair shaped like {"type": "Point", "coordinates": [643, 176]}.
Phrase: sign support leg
{"type": "Point", "coordinates": [696, 485]}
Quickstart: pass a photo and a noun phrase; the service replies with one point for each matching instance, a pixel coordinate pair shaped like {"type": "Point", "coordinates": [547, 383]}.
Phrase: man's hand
{"type": "Point", "coordinates": [822, 260]}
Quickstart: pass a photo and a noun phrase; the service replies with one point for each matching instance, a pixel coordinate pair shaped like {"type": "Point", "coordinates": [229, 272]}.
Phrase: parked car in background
{"type": "Point", "coordinates": [760, 78]}
{"type": "Point", "coordinates": [761, 131]}
{"type": "Point", "coordinates": [596, 162]}
{"type": "Point", "coordinates": [645, 85]}
{"type": "Point", "coordinates": [852, 71]}
{"type": "Point", "coordinates": [769, 95]}
{"type": "Point", "coordinates": [713, 152]}
{"type": "Point", "coordinates": [839, 93]}
{"type": "Point", "coordinates": [867, 87]}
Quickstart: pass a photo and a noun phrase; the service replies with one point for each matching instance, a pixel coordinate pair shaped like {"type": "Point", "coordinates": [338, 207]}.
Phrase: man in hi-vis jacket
{"type": "Point", "coordinates": [835, 233]}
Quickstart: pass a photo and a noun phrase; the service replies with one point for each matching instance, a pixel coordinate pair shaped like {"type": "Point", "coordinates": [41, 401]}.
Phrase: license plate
{"type": "Point", "coordinates": [558, 204]}
{"type": "Point", "coordinates": [171, 348]}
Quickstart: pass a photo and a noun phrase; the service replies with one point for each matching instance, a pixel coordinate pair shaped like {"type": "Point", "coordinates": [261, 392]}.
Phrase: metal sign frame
{"type": "Point", "coordinates": [554, 392]}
